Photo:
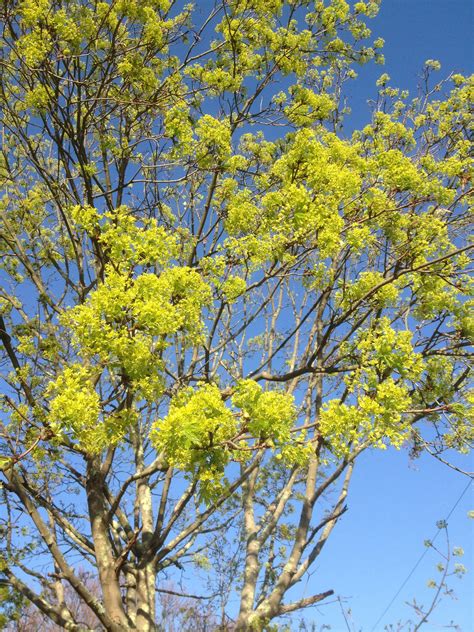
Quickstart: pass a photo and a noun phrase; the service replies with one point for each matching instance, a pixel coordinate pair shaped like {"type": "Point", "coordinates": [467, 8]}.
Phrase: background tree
{"type": "Point", "coordinates": [213, 300]}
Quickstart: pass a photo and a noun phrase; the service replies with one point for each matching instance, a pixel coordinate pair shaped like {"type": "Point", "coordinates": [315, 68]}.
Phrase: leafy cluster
{"type": "Point", "coordinates": [202, 434]}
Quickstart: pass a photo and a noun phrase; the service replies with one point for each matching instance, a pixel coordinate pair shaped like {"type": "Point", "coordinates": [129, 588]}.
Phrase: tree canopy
{"type": "Point", "coordinates": [213, 298]}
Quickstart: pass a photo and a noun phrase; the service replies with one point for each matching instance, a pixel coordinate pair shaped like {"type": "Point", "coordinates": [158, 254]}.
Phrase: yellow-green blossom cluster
{"type": "Point", "coordinates": [386, 363]}
{"type": "Point", "coordinates": [202, 433]}
{"type": "Point", "coordinates": [126, 322]}
{"type": "Point", "coordinates": [310, 183]}
{"type": "Point", "coordinates": [383, 348]}
{"type": "Point", "coordinates": [195, 428]}
{"type": "Point", "coordinates": [76, 411]}
{"type": "Point", "coordinates": [371, 287]}
{"type": "Point", "coordinates": [376, 419]}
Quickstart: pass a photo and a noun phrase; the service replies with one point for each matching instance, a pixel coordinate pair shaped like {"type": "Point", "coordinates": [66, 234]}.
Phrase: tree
{"type": "Point", "coordinates": [213, 299]}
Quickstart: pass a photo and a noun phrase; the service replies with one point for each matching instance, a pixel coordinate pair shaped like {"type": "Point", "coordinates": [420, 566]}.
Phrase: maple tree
{"type": "Point", "coordinates": [213, 299]}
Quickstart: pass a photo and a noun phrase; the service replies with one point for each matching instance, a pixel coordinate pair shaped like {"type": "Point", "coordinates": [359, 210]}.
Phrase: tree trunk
{"type": "Point", "coordinates": [145, 617]}
{"type": "Point", "coordinates": [251, 557]}
{"type": "Point", "coordinates": [111, 593]}
{"type": "Point", "coordinates": [146, 576]}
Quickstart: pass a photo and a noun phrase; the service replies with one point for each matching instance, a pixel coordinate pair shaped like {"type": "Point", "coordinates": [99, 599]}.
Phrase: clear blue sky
{"type": "Point", "coordinates": [414, 31]}
{"type": "Point", "coordinates": [395, 503]}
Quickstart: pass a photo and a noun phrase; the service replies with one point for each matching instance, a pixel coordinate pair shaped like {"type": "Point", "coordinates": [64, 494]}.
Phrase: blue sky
{"type": "Point", "coordinates": [395, 503]}
{"type": "Point", "coordinates": [414, 31]}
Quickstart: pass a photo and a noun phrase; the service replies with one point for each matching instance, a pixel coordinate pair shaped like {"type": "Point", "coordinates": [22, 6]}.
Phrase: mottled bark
{"type": "Point", "coordinates": [252, 566]}
{"type": "Point", "coordinates": [104, 554]}
{"type": "Point", "coordinates": [146, 575]}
